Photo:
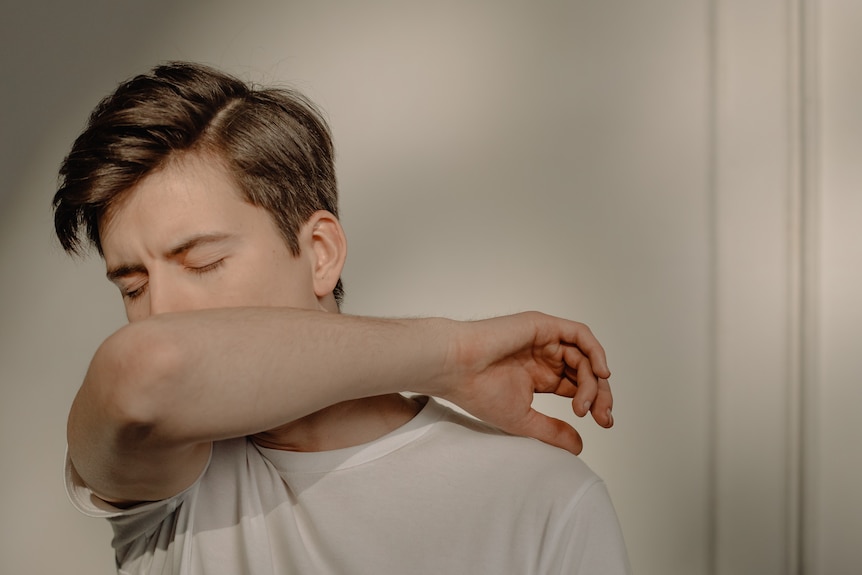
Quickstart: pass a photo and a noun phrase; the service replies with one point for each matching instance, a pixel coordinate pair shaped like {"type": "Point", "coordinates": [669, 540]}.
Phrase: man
{"type": "Point", "coordinates": [240, 424]}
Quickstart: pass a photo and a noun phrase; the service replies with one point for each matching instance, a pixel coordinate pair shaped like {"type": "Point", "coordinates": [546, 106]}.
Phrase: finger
{"type": "Point", "coordinates": [581, 336]}
{"type": "Point", "coordinates": [568, 385]}
{"type": "Point", "coordinates": [548, 430]}
{"type": "Point", "coordinates": [587, 382]}
{"type": "Point", "coordinates": [602, 408]}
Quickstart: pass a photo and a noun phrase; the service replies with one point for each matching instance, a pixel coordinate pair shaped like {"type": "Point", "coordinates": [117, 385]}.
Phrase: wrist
{"type": "Point", "coordinates": [436, 372]}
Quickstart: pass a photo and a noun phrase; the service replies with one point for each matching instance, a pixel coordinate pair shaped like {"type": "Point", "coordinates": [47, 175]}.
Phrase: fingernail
{"type": "Point", "coordinates": [610, 418]}
{"type": "Point", "coordinates": [587, 405]}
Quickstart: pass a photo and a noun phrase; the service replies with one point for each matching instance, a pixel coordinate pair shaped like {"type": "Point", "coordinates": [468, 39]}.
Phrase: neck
{"type": "Point", "coordinates": [342, 425]}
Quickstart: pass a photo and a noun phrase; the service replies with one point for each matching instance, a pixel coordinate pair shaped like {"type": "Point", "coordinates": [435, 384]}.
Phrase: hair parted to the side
{"type": "Point", "coordinates": [273, 141]}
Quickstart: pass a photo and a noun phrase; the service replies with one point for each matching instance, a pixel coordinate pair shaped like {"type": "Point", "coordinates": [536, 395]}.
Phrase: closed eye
{"type": "Point", "coordinates": [135, 293]}
{"type": "Point", "coordinates": [206, 268]}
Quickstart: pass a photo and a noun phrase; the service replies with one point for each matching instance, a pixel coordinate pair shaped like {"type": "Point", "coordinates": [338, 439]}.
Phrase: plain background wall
{"type": "Point", "coordinates": [681, 175]}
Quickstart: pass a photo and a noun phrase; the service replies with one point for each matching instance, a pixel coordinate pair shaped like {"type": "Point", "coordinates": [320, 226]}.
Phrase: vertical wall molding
{"type": "Point", "coordinates": [808, 367]}
{"type": "Point", "coordinates": [712, 342]}
{"type": "Point", "coordinates": [760, 180]}
{"type": "Point", "coordinates": [797, 45]}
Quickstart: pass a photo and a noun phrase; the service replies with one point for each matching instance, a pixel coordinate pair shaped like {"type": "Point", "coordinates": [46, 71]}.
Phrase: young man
{"type": "Point", "coordinates": [240, 424]}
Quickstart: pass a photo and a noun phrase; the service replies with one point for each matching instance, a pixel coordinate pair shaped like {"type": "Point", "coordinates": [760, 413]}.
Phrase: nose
{"type": "Point", "coordinates": [165, 296]}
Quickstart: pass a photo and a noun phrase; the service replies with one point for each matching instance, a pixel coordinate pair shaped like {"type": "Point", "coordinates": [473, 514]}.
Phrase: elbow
{"type": "Point", "coordinates": [123, 409]}
{"type": "Point", "coordinates": [130, 378]}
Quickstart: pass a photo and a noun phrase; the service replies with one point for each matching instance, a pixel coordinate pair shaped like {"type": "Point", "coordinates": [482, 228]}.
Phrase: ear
{"type": "Point", "coordinates": [328, 251]}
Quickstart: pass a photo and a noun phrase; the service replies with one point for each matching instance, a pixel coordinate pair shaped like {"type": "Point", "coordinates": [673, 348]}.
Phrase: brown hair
{"type": "Point", "coordinates": [273, 141]}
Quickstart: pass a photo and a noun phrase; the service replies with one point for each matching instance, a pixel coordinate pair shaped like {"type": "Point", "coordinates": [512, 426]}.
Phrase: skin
{"type": "Point", "coordinates": [185, 240]}
{"type": "Point", "coordinates": [230, 335]}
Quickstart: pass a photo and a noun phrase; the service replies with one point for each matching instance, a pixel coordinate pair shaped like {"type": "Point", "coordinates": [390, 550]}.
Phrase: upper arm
{"type": "Point", "coordinates": [114, 442]}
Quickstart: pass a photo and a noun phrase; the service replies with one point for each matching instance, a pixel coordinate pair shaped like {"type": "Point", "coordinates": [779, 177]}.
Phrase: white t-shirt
{"type": "Point", "coordinates": [442, 494]}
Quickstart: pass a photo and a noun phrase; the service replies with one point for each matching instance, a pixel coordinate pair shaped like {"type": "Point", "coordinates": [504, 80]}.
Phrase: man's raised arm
{"type": "Point", "coordinates": [159, 391]}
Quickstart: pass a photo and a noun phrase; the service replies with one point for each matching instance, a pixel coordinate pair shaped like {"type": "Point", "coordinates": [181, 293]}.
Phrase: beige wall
{"type": "Point", "coordinates": [682, 175]}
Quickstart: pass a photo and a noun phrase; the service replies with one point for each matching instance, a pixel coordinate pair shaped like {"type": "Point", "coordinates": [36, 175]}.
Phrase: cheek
{"type": "Point", "coordinates": [277, 285]}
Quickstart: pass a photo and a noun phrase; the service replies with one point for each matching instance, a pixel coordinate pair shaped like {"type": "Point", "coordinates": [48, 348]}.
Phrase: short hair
{"type": "Point", "coordinates": [273, 141]}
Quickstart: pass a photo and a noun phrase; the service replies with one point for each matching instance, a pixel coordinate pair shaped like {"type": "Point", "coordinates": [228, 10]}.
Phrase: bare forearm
{"type": "Point", "coordinates": [214, 374]}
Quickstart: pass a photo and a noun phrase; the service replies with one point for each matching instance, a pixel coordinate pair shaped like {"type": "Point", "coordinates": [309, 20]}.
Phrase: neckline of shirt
{"type": "Point", "coordinates": [296, 462]}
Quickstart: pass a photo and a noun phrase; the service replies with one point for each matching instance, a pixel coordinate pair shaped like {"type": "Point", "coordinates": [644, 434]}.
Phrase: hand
{"type": "Point", "coordinates": [500, 363]}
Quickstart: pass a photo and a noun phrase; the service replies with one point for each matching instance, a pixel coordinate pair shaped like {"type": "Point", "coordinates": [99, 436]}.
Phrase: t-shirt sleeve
{"type": "Point", "coordinates": [128, 523]}
{"type": "Point", "coordinates": [592, 541]}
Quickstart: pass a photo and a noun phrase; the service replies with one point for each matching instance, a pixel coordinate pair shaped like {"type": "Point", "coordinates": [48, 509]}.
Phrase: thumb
{"type": "Point", "coordinates": [548, 430]}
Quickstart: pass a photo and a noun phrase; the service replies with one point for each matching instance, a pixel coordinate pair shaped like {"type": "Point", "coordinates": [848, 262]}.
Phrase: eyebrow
{"type": "Point", "coordinates": [190, 243]}
{"type": "Point", "coordinates": [123, 271]}
{"type": "Point", "coordinates": [195, 241]}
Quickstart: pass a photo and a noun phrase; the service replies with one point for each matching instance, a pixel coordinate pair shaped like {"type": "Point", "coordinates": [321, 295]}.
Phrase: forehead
{"type": "Point", "coordinates": [187, 171]}
{"type": "Point", "coordinates": [190, 194]}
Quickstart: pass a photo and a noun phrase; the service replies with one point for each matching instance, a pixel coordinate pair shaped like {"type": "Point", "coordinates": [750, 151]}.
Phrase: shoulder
{"type": "Point", "coordinates": [524, 459]}
{"type": "Point", "coordinates": [533, 484]}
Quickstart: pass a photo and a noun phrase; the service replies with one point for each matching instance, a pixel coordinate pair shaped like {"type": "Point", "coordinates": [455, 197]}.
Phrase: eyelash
{"type": "Point", "coordinates": [208, 267]}
{"type": "Point", "coordinates": [135, 294]}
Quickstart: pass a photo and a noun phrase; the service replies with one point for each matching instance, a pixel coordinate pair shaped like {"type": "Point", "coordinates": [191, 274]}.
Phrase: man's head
{"type": "Point", "coordinates": [273, 143]}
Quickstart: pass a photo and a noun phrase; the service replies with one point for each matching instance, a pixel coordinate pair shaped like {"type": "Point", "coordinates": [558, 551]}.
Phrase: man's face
{"type": "Point", "coordinates": [184, 239]}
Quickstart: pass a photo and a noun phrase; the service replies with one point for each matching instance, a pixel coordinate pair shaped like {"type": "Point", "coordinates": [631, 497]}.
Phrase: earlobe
{"type": "Point", "coordinates": [329, 250]}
